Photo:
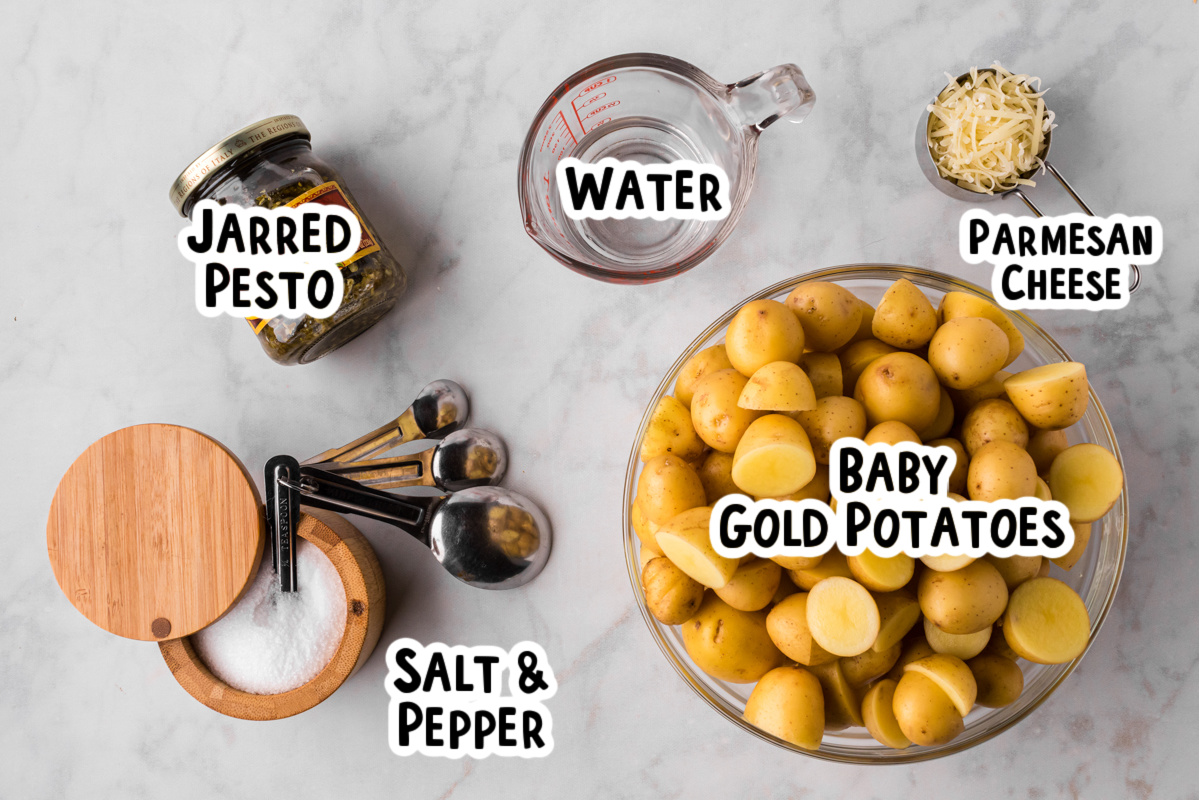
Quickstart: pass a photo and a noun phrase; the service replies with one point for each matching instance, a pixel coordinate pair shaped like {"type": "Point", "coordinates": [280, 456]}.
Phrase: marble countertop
{"type": "Point", "coordinates": [423, 107]}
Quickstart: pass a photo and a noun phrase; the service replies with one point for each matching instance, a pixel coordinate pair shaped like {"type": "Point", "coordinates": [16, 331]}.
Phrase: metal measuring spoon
{"type": "Point", "coordinates": [951, 188]}
{"type": "Point", "coordinates": [488, 537]}
{"type": "Point", "coordinates": [464, 459]}
{"type": "Point", "coordinates": [439, 409]}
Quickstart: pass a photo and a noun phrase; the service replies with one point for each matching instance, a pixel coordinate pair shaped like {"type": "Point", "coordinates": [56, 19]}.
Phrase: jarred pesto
{"type": "Point", "coordinates": [270, 164]}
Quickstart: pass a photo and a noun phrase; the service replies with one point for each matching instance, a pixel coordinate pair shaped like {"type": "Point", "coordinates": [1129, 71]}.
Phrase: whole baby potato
{"type": "Point", "coordinates": [753, 586]}
{"type": "Point", "coordinates": [716, 473]}
{"type": "Point", "coordinates": [710, 359]}
{"type": "Point", "coordinates": [964, 601]}
{"type": "Point", "coordinates": [829, 314]}
{"type": "Point", "coordinates": [779, 386]}
{"type": "Point", "coordinates": [899, 386]}
{"type": "Point", "coordinates": [670, 431]}
{"type": "Point", "coordinates": [999, 680]}
{"type": "Point", "coordinates": [787, 702]}
{"type": "Point", "coordinates": [668, 486]}
{"type": "Point", "coordinates": [965, 352]}
{"type": "Point", "coordinates": [1044, 446]}
{"type": "Point", "coordinates": [991, 421]}
{"type": "Point", "coordinates": [856, 356]}
{"type": "Point", "coordinates": [763, 331]}
{"type": "Point", "coordinates": [671, 595]}
{"type": "Point", "coordinates": [925, 713]}
{"type": "Point", "coordinates": [1001, 471]}
{"type": "Point", "coordinates": [869, 665]}
{"type": "Point", "coordinates": [716, 415]}
{"type": "Point", "coordinates": [824, 371]}
{"type": "Point", "coordinates": [961, 304]}
{"type": "Point", "coordinates": [944, 420]}
{"type": "Point", "coordinates": [832, 419]}
{"type": "Point", "coordinates": [891, 432]}
{"type": "Point", "coordinates": [728, 644]}
{"type": "Point", "coordinates": [904, 317]}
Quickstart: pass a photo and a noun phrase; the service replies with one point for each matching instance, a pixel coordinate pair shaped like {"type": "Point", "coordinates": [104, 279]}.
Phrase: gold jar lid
{"type": "Point", "coordinates": [231, 146]}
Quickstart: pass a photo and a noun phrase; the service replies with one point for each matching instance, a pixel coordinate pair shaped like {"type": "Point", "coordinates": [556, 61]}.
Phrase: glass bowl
{"type": "Point", "coordinates": [1094, 577]}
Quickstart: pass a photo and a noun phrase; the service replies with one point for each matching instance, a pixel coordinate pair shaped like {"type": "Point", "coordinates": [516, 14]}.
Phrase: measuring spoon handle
{"type": "Point", "coordinates": [386, 473]}
{"type": "Point", "coordinates": [323, 489]}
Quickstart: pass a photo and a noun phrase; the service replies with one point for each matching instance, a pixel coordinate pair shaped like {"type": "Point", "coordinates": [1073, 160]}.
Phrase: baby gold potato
{"type": "Point", "coordinates": [993, 421]}
{"type": "Point", "coordinates": [999, 680]}
{"type": "Point", "coordinates": [959, 645]}
{"type": "Point", "coordinates": [830, 314]}
{"type": "Point", "coordinates": [964, 601]}
{"type": "Point", "coordinates": [668, 486]}
{"type": "Point", "coordinates": [670, 432]}
{"type": "Point", "coordinates": [684, 539]}
{"type": "Point", "coordinates": [842, 706]}
{"type": "Point", "coordinates": [787, 625]}
{"type": "Point", "coordinates": [671, 595]}
{"type": "Point", "coordinates": [832, 419]}
{"type": "Point", "coordinates": [815, 489]}
{"type": "Point", "coordinates": [773, 457]}
{"type": "Point", "coordinates": [1083, 534]}
{"type": "Point", "coordinates": [825, 372]}
{"type": "Point", "coordinates": [943, 423]}
{"type": "Point", "coordinates": [869, 665]}
{"type": "Point", "coordinates": [1016, 569]}
{"type": "Point", "coordinates": [904, 317]}
{"type": "Point", "coordinates": [753, 586]}
{"type": "Point", "coordinates": [779, 386]}
{"type": "Point", "coordinates": [880, 719]}
{"type": "Point", "coordinates": [716, 415]}
{"type": "Point", "coordinates": [1052, 396]}
{"type": "Point", "coordinates": [1044, 447]}
{"type": "Point", "coordinates": [716, 475]}
{"type": "Point", "coordinates": [914, 649]}
{"type": "Point", "coordinates": [1087, 479]}
{"type": "Point", "coordinates": [842, 616]}
{"type": "Point", "coordinates": [710, 359]}
{"type": "Point", "coordinates": [958, 477]}
{"type": "Point", "coordinates": [891, 432]}
{"type": "Point", "coordinates": [763, 331]}
{"type": "Point", "coordinates": [728, 644]}
{"type": "Point", "coordinates": [899, 386]}
{"type": "Point", "coordinates": [898, 613]}
{"type": "Point", "coordinates": [855, 357]}
{"type": "Point", "coordinates": [952, 675]}
{"type": "Point", "coordinates": [787, 702]}
{"type": "Point", "coordinates": [925, 713]}
{"type": "Point", "coordinates": [961, 304]}
{"type": "Point", "coordinates": [1001, 471]}
{"type": "Point", "coordinates": [881, 574]}
{"type": "Point", "coordinates": [966, 351]}
{"type": "Point", "coordinates": [832, 564]}
{"type": "Point", "coordinates": [1046, 622]}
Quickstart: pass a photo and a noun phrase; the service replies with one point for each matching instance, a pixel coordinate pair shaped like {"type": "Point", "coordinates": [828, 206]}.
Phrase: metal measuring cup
{"type": "Point", "coordinates": [951, 188]}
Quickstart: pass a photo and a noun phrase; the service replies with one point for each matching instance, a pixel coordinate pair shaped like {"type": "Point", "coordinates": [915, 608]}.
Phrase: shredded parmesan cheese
{"type": "Point", "coordinates": [988, 134]}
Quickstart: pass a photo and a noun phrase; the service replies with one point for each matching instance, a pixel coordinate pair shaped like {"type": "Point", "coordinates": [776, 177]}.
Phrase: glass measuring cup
{"type": "Point", "coordinates": [652, 109]}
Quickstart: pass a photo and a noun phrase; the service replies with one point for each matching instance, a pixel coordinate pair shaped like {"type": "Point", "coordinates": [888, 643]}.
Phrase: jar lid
{"type": "Point", "coordinates": [232, 146]}
{"type": "Point", "coordinates": [154, 532]}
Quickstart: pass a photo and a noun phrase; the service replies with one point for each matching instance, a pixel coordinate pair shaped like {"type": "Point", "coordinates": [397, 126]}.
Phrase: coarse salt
{"type": "Point", "coordinates": [271, 642]}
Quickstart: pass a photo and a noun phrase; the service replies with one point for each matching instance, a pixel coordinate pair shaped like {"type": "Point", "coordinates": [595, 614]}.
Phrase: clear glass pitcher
{"type": "Point", "coordinates": [651, 109]}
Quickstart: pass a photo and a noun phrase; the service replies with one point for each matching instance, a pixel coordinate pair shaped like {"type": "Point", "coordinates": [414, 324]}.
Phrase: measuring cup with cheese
{"type": "Point", "coordinates": [653, 110]}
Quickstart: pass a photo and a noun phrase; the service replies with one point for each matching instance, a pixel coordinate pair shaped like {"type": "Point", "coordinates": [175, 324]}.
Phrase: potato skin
{"type": "Point", "coordinates": [999, 679]}
{"type": "Point", "coordinates": [1001, 471]}
{"type": "Point", "coordinates": [964, 601]}
{"type": "Point", "coordinates": [829, 313]}
{"type": "Point", "coordinates": [899, 386]}
{"type": "Point", "coordinates": [728, 644]}
{"type": "Point", "coordinates": [710, 359]}
{"type": "Point", "coordinates": [856, 356]}
{"type": "Point", "coordinates": [671, 595]}
{"type": "Point", "coordinates": [1044, 446]}
{"type": "Point", "coordinates": [961, 304]}
{"type": "Point", "coordinates": [904, 317]}
{"type": "Point", "coordinates": [926, 714]}
{"type": "Point", "coordinates": [993, 421]}
{"type": "Point", "coordinates": [670, 431]}
{"type": "Point", "coordinates": [716, 415]}
{"type": "Point", "coordinates": [753, 586]}
{"type": "Point", "coordinates": [787, 702]}
{"type": "Point", "coordinates": [1052, 397]}
{"type": "Point", "coordinates": [832, 419]}
{"type": "Point", "coordinates": [760, 332]}
{"type": "Point", "coordinates": [787, 625]}
{"type": "Point", "coordinates": [667, 487]}
{"type": "Point", "coordinates": [962, 461]}
{"type": "Point", "coordinates": [965, 352]}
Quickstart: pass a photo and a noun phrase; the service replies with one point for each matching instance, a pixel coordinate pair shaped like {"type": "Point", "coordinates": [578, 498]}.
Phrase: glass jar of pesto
{"type": "Point", "coordinates": [270, 164]}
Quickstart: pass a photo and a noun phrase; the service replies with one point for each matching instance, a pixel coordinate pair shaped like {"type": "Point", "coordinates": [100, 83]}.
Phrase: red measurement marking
{"type": "Point", "coordinates": [552, 138]}
{"type": "Point", "coordinates": [603, 108]}
{"type": "Point", "coordinates": [593, 87]}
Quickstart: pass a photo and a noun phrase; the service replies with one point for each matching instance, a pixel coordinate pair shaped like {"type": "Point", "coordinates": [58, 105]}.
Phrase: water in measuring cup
{"type": "Point", "coordinates": [636, 242]}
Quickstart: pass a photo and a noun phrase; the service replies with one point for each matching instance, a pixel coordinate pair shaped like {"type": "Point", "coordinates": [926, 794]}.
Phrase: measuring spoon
{"type": "Point", "coordinates": [950, 187]}
{"type": "Point", "coordinates": [439, 409]}
{"type": "Point", "coordinates": [486, 536]}
{"type": "Point", "coordinates": [465, 458]}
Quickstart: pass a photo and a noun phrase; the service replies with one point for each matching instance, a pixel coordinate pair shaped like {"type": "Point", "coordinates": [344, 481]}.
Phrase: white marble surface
{"type": "Point", "coordinates": [424, 106]}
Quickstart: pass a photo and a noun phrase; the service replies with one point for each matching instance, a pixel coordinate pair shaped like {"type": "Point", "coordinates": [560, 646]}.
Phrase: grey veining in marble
{"type": "Point", "coordinates": [423, 106]}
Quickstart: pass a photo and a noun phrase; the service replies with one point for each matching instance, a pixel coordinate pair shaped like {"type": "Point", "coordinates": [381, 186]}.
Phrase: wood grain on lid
{"type": "Point", "coordinates": [155, 531]}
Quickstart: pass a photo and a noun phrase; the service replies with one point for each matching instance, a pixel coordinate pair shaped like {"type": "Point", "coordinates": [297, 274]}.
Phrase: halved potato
{"type": "Point", "coordinates": [791, 563]}
{"type": "Point", "coordinates": [787, 625]}
{"type": "Point", "coordinates": [1083, 534]}
{"type": "Point", "coordinates": [842, 616]}
{"type": "Point", "coordinates": [684, 539]}
{"type": "Point", "coordinates": [815, 489]}
{"type": "Point", "coordinates": [999, 680]}
{"type": "Point", "coordinates": [880, 574]}
{"type": "Point", "coordinates": [924, 711]}
{"type": "Point", "coordinates": [952, 675]}
{"type": "Point", "coordinates": [671, 595]}
{"type": "Point", "coordinates": [869, 665]}
{"type": "Point", "coordinates": [710, 359]}
{"type": "Point", "coordinates": [946, 563]}
{"type": "Point", "coordinates": [832, 419]}
{"type": "Point", "coordinates": [773, 458]}
{"type": "Point", "coordinates": [670, 432]}
{"type": "Point", "coordinates": [788, 702]}
{"type": "Point", "coordinates": [959, 645]}
{"type": "Point", "coordinates": [779, 386]}
{"type": "Point", "coordinates": [842, 706]}
{"type": "Point", "coordinates": [753, 585]}
{"type": "Point", "coordinates": [1046, 622]}
{"type": "Point", "coordinates": [913, 649]}
{"type": "Point", "coordinates": [829, 313]}
{"type": "Point", "coordinates": [832, 564]}
{"type": "Point", "coordinates": [898, 613]}
{"type": "Point", "coordinates": [716, 416]}
{"type": "Point", "coordinates": [668, 486]}
{"type": "Point", "coordinates": [825, 372]}
{"type": "Point", "coordinates": [879, 717]}
{"type": "Point", "coordinates": [1052, 396]}
{"type": "Point", "coordinates": [1087, 479]}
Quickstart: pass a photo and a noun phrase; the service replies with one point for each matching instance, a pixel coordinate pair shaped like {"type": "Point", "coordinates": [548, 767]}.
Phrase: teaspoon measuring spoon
{"type": "Point", "coordinates": [486, 536]}
{"type": "Point", "coordinates": [950, 187]}
{"type": "Point", "coordinates": [464, 459]}
{"type": "Point", "coordinates": [439, 409]}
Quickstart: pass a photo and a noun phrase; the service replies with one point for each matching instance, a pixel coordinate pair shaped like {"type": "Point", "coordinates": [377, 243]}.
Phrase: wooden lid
{"type": "Point", "coordinates": [155, 531]}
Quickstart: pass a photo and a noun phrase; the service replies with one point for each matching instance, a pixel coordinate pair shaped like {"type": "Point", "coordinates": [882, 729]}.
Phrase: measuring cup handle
{"type": "Point", "coordinates": [779, 92]}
